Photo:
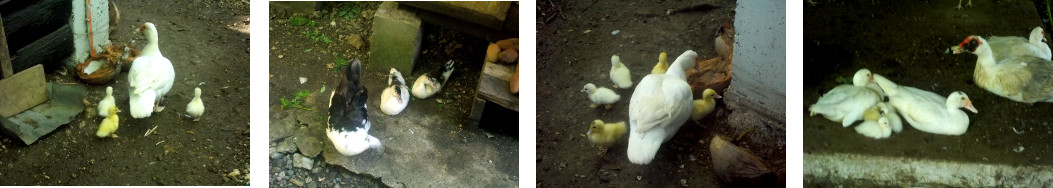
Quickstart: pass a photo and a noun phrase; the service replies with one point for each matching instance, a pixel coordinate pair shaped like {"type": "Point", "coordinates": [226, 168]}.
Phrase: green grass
{"type": "Point", "coordinates": [297, 21]}
{"type": "Point", "coordinates": [297, 101]}
{"type": "Point", "coordinates": [317, 37]}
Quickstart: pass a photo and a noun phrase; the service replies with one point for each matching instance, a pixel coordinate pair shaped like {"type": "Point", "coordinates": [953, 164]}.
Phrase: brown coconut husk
{"type": "Point", "coordinates": [513, 82]}
{"type": "Point", "coordinates": [115, 53]}
{"type": "Point", "coordinates": [713, 73]}
{"type": "Point", "coordinates": [737, 167]}
{"type": "Point", "coordinates": [104, 74]}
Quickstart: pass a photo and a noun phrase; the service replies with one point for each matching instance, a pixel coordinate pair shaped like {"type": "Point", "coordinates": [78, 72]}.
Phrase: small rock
{"type": "Point", "coordinates": [280, 56]}
{"type": "Point", "coordinates": [303, 162]}
{"type": "Point", "coordinates": [234, 174]}
{"type": "Point", "coordinates": [296, 181]}
{"type": "Point", "coordinates": [615, 32]}
{"type": "Point", "coordinates": [355, 41]}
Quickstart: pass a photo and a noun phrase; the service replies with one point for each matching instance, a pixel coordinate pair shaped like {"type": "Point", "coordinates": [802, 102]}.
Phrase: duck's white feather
{"type": "Point", "coordinates": [660, 104]}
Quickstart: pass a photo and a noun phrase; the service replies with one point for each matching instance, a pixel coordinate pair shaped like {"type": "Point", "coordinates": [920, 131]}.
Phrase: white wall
{"type": "Point", "coordinates": [758, 77]}
{"type": "Point", "coordinates": [100, 14]}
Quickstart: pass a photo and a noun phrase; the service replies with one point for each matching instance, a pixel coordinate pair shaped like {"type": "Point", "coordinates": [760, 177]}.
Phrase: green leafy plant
{"type": "Point", "coordinates": [297, 21]}
{"type": "Point", "coordinates": [297, 101]}
{"type": "Point", "coordinates": [340, 62]}
{"type": "Point", "coordinates": [317, 37]}
{"type": "Point", "coordinates": [348, 11]}
{"type": "Point", "coordinates": [306, 50]}
{"type": "Point", "coordinates": [311, 24]}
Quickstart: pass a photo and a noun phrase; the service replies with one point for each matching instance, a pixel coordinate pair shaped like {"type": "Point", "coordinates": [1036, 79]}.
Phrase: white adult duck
{"type": "Point", "coordinates": [927, 111]}
{"type": "Point", "coordinates": [660, 104]}
{"type": "Point", "coordinates": [1020, 78]}
{"type": "Point", "coordinates": [1003, 47]}
{"type": "Point", "coordinates": [150, 77]}
{"type": "Point", "coordinates": [394, 98]}
{"type": "Point", "coordinates": [846, 103]}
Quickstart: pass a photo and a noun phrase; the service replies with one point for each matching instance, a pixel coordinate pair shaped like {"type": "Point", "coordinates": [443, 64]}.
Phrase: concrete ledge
{"type": "Point", "coordinates": [396, 39]}
{"type": "Point", "coordinates": [902, 172]}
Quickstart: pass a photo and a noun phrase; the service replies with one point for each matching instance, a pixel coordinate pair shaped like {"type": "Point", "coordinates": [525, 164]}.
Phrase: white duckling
{"type": "Point", "coordinates": [428, 84]}
{"type": "Point", "coordinates": [846, 103]}
{"type": "Point", "coordinates": [927, 111]}
{"type": "Point", "coordinates": [106, 103]}
{"type": "Point", "coordinates": [889, 112]}
{"type": "Point", "coordinates": [600, 96]}
{"type": "Point", "coordinates": [1019, 78]}
{"type": "Point", "coordinates": [395, 98]}
{"type": "Point", "coordinates": [195, 108]}
{"type": "Point", "coordinates": [662, 64]}
{"type": "Point", "coordinates": [660, 104]}
{"type": "Point", "coordinates": [150, 77]}
{"type": "Point", "coordinates": [876, 129]}
{"type": "Point", "coordinates": [620, 73]}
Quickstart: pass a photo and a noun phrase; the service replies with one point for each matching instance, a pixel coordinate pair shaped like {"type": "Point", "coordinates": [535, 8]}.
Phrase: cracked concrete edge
{"type": "Point", "coordinates": [898, 171]}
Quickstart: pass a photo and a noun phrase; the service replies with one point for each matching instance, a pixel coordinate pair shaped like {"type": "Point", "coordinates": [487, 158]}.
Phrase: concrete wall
{"type": "Point", "coordinates": [100, 15]}
{"type": "Point", "coordinates": [758, 79]}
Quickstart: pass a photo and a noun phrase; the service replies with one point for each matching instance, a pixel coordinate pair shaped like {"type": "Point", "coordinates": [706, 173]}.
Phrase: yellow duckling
{"type": "Point", "coordinates": [662, 64]}
{"type": "Point", "coordinates": [705, 105]}
{"type": "Point", "coordinates": [109, 125]}
{"type": "Point", "coordinates": [872, 113]}
{"type": "Point", "coordinates": [605, 133]}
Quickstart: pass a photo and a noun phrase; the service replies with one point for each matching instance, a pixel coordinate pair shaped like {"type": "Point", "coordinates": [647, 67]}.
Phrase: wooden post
{"type": "Point", "coordinates": [5, 57]}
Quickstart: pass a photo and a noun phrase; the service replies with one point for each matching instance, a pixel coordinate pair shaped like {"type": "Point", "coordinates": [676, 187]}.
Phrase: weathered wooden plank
{"type": "Point", "coordinates": [24, 26]}
{"type": "Point", "coordinates": [22, 91]}
{"type": "Point", "coordinates": [490, 14]}
{"type": "Point", "coordinates": [493, 85]}
{"type": "Point", "coordinates": [5, 56]}
{"type": "Point", "coordinates": [48, 51]}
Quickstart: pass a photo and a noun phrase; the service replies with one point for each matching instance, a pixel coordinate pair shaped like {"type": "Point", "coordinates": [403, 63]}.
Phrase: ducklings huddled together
{"type": "Point", "coordinates": [923, 110]}
{"type": "Point", "coordinates": [149, 80]}
{"type": "Point", "coordinates": [661, 102]}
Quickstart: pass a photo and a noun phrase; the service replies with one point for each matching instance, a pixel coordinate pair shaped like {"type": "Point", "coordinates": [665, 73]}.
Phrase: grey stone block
{"type": "Point", "coordinates": [396, 39]}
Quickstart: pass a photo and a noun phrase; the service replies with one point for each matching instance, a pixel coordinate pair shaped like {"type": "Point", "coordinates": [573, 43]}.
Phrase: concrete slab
{"type": "Point", "coordinates": [903, 172]}
{"type": "Point", "coordinates": [396, 39]}
{"type": "Point", "coordinates": [760, 80]}
{"type": "Point", "coordinates": [65, 102]}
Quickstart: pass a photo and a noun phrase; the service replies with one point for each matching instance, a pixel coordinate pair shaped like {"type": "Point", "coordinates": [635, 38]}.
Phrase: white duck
{"type": "Point", "coordinates": [1003, 47]}
{"type": "Point", "coordinates": [660, 104]}
{"type": "Point", "coordinates": [150, 77]}
{"type": "Point", "coordinates": [394, 98]}
{"type": "Point", "coordinates": [1038, 38]}
{"type": "Point", "coordinates": [876, 129]}
{"type": "Point", "coordinates": [106, 103]}
{"type": "Point", "coordinates": [428, 84]}
{"type": "Point", "coordinates": [927, 111]}
{"type": "Point", "coordinates": [600, 95]}
{"type": "Point", "coordinates": [620, 73]}
{"type": "Point", "coordinates": [196, 108]}
{"type": "Point", "coordinates": [846, 103]}
{"type": "Point", "coordinates": [1020, 78]}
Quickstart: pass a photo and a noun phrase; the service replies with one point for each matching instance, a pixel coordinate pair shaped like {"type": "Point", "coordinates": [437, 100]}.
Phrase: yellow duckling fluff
{"type": "Point", "coordinates": [662, 65]}
{"type": "Point", "coordinates": [605, 133]}
{"type": "Point", "coordinates": [705, 105]}
{"type": "Point", "coordinates": [108, 127]}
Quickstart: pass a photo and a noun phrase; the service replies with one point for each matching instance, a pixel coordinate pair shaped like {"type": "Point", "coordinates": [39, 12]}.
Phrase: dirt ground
{"type": "Point", "coordinates": [574, 48]}
{"type": "Point", "coordinates": [906, 42]}
{"type": "Point", "coordinates": [437, 127]}
{"type": "Point", "coordinates": [212, 46]}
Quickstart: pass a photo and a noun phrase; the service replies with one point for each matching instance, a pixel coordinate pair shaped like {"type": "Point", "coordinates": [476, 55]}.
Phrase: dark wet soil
{"type": "Point", "coordinates": [212, 46]}
{"type": "Point", "coordinates": [444, 117]}
{"type": "Point", "coordinates": [574, 48]}
{"type": "Point", "coordinates": [906, 42]}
